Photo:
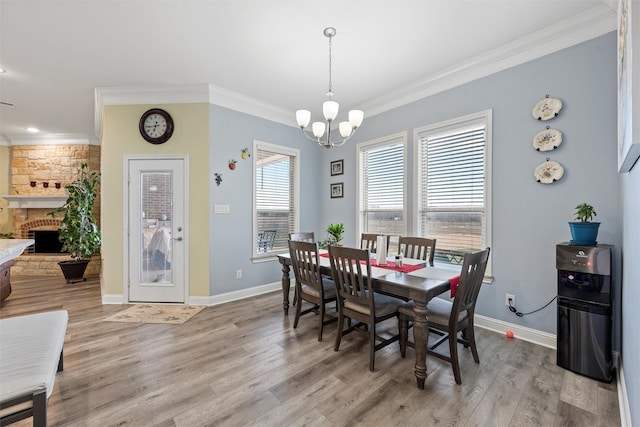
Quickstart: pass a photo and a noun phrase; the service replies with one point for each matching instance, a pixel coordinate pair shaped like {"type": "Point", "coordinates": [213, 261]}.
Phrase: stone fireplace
{"type": "Point", "coordinates": [38, 177]}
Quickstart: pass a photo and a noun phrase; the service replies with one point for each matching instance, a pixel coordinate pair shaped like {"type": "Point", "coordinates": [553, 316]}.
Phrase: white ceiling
{"type": "Point", "coordinates": [56, 53]}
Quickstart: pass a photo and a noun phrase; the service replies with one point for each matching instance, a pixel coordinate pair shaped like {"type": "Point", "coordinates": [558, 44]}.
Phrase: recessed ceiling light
{"type": "Point", "coordinates": [2, 70]}
{"type": "Point", "coordinates": [33, 130]}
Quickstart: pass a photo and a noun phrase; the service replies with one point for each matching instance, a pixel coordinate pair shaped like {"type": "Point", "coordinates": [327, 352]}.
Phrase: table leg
{"type": "Point", "coordinates": [286, 284]}
{"type": "Point", "coordinates": [420, 337]}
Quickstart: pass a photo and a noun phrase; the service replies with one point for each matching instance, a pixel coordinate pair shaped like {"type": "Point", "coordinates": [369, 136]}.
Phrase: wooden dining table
{"type": "Point", "coordinates": [419, 285]}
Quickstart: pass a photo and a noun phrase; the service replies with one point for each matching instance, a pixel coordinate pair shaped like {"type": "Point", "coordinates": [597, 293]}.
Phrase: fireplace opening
{"type": "Point", "coordinates": [46, 242]}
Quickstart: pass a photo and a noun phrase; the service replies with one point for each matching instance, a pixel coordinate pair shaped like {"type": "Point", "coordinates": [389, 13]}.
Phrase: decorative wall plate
{"type": "Point", "coordinates": [547, 109]}
{"type": "Point", "coordinates": [548, 172]}
{"type": "Point", "coordinates": [548, 139]}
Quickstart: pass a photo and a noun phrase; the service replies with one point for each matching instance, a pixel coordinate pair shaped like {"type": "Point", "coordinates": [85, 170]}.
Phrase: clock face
{"type": "Point", "coordinates": [156, 126]}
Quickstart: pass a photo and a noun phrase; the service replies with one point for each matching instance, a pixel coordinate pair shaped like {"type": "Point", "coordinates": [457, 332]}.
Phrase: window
{"type": "Point", "coordinates": [453, 185]}
{"type": "Point", "coordinates": [275, 209]}
{"type": "Point", "coordinates": [381, 185]}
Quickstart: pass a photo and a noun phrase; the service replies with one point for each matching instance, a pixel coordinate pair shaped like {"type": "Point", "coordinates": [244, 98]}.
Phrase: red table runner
{"type": "Point", "coordinates": [406, 268]}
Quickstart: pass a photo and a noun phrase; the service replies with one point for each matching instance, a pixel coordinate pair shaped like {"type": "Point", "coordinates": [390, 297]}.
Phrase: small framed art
{"type": "Point", "coordinates": [337, 190]}
{"type": "Point", "coordinates": [337, 167]}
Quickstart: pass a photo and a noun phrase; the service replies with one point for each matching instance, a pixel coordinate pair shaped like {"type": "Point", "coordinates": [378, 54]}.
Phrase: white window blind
{"type": "Point", "coordinates": [382, 186]}
{"type": "Point", "coordinates": [275, 203]}
{"type": "Point", "coordinates": [452, 187]}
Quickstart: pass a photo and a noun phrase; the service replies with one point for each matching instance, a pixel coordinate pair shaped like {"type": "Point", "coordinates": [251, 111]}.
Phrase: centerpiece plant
{"type": "Point", "coordinates": [336, 234]}
{"type": "Point", "coordinates": [79, 232]}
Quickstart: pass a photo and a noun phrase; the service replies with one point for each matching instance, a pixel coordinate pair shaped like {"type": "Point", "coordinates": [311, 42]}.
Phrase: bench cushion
{"type": "Point", "coordinates": [30, 348]}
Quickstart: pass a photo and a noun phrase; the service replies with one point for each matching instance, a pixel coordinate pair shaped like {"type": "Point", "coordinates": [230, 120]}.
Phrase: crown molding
{"type": "Point", "coordinates": [185, 94]}
{"type": "Point", "coordinates": [49, 139]}
{"type": "Point", "coordinates": [577, 29]}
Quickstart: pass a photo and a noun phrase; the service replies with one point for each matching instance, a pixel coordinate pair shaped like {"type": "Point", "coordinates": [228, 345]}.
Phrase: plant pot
{"type": "Point", "coordinates": [584, 233]}
{"type": "Point", "coordinates": [74, 270]}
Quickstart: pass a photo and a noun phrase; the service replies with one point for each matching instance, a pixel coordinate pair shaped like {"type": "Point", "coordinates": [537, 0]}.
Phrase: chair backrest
{"type": "Point", "coordinates": [351, 270]}
{"type": "Point", "coordinates": [418, 248]}
{"type": "Point", "coordinates": [266, 240]}
{"type": "Point", "coordinates": [473, 268]}
{"type": "Point", "coordinates": [306, 264]}
{"type": "Point", "coordinates": [370, 241]}
{"type": "Point", "coordinates": [303, 236]}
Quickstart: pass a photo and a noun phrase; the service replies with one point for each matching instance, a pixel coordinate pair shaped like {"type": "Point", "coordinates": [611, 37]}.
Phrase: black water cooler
{"type": "Point", "coordinates": [584, 309]}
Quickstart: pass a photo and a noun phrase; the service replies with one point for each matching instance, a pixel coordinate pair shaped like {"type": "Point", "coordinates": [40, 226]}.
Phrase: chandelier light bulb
{"type": "Point", "coordinates": [303, 117]}
{"type": "Point", "coordinates": [330, 110]}
{"type": "Point", "coordinates": [318, 129]}
{"type": "Point", "coordinates": [345, 129]}
{"type": "Point", "coordinates": [356, 117]}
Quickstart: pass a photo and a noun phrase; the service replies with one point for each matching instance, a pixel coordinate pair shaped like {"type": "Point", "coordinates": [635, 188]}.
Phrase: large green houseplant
{"type": "Point", "coordinates": [79, 232]}
{"type": "Point", "coordinates": [583, 231]}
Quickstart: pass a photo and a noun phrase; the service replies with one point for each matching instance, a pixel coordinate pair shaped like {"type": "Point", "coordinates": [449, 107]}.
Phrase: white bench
{"type": "Point", "coordinates": [30, 356]}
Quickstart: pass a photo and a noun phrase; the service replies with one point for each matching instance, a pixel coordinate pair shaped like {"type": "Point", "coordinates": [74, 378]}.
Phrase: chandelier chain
{"type": "Point", "coordinates": [330, 93]}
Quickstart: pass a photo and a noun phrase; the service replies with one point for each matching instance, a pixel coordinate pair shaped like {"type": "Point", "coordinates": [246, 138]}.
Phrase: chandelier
{"type": "Point", "coordinates": [330, 112]}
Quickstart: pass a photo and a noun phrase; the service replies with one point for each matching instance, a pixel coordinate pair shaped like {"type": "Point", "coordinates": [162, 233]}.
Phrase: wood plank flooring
{"type": "Point", "coordinates": [243, 364]}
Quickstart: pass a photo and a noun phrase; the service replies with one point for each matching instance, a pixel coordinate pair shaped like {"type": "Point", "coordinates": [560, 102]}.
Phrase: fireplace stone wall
{"type": "Point", "coordinates": [45, 170]}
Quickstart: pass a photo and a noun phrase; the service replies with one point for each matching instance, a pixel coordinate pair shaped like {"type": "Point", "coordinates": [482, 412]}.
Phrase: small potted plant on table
{"type": "Point", "coordinates": [336, 232]}
{"type": "Point", "coordinates": [79, 232]}
{"type": "Point", "coordinates": [583, 231]}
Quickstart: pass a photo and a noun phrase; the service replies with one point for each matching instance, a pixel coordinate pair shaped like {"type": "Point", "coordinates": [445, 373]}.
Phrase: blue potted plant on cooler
{"type": "Point", "coordinates": [583, 231]}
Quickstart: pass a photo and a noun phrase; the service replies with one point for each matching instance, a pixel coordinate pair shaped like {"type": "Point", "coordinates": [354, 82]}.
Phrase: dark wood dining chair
{"type": "Point", "coordinates": [311, 286]}
{"type": "Point", "coordinates": [351, 269]}
{"type": "Point", "coordinates": [370, 241]}
{"type": "Point", "coordinates": [418, 248]}
{"type": "Point", "coordinates": [303, 236]}
{"type": "Point", "coordinates": [448, 319]}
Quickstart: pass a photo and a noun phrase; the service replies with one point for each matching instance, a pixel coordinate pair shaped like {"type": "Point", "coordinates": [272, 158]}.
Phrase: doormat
{"type": "Point", "coordinates": [146, 313]}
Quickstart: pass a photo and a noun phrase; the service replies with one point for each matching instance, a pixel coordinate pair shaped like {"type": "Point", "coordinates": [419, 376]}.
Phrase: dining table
{"type": "Point", "coordinates": [415, 280]}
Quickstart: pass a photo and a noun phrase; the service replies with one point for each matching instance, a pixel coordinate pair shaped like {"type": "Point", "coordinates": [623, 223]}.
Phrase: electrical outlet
{"type": "Point", "coordinates": [238, 274]}
{"type": "Point", "coordinates": [510, 300]}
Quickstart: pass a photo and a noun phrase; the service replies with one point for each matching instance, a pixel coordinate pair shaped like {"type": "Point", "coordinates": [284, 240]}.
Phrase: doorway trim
{"type": "Point", "coordinates": [125, 220]}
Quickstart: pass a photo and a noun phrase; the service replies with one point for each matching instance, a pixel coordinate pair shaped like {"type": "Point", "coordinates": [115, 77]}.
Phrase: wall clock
{"type": "Point", "coordinates": [156, 126]}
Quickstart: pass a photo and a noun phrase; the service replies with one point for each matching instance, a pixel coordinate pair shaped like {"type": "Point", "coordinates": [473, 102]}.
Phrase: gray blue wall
{"type": "Point", "coordinates": [528, 218]}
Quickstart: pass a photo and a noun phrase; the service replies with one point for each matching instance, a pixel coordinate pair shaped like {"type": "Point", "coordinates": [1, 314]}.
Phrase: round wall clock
{"type": "Point", "coordinates": [156, 126]}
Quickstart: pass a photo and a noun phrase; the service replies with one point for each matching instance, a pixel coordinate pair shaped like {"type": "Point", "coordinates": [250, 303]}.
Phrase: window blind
{"type": "Point", "coordinates": [452, 199]}
{"type": "Point", "coordinates": [382, 188]}
{"type": "Point", "coordinates": [274, 200]}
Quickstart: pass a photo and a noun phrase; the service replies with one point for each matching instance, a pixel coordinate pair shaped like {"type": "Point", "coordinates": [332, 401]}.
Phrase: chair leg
{"type": "Point", "coordinates": [403, 329]}
{"type": "Point", "coordinates": [372, 347]}
{"type": "Point", "coordinates": [339, 334]}
{"type": "Point", "coordinates": [298, 309]}
{"type": "Point", "coordinates": [321, 321]}
{"type": "Point", "coordinates": [453, 352]}
{"type": "Point", "coordinates": [471, 337]}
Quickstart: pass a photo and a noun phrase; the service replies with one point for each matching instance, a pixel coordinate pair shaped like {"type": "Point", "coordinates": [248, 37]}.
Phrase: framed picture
{"type": "Point", "coordinates": [628, 92]}
{"type": "Point", "coordinates": [337, 167]}
{"type": "Point", "coordinates": [337, 190]}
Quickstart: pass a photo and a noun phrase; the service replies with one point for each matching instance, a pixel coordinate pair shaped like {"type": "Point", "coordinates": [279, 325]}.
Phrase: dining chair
{"type": "Point", "coordinates": [311, 286]}
{"type": "Point", "coordinates": [266, 240]}
{"type": "Point", "coordinates": [351, 270]}
{"type": "Point", "coordinates": [370, 241]}
{"type": "Point", "coordinates": [303, 236]}
{"type": "Point", "coordinates": [418, 248]}
{"type": "Point", "coordinates": [447, 319]}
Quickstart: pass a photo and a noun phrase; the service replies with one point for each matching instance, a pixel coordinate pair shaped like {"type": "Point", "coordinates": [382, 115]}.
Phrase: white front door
{"type": "Point", "coordinates": [156, 224]}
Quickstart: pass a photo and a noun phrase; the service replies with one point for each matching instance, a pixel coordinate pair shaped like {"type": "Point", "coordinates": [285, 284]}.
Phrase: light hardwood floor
{"type": "Point", "coordinates": [242, 363]}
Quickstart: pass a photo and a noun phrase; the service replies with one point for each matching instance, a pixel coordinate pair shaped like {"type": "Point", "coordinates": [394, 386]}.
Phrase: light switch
{"type": "Point", "coordinates": [221, 209]}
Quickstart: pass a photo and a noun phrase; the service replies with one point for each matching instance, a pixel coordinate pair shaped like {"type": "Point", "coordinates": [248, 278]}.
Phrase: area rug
{"type": "Point", "coordinates": [146, 313]}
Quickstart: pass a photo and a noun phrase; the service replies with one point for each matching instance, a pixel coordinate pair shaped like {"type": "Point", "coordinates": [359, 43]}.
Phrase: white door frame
{"type": "Point", "coordinates": [126, 250]}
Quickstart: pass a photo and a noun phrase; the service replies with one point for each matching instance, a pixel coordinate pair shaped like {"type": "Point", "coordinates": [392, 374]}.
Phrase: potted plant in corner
{"type": "Point", "coordinates": [336, 232]}
{"type": "Point", "coordinates": [79, 232]}
{"type": "Point", "coordinates": [583, 231]}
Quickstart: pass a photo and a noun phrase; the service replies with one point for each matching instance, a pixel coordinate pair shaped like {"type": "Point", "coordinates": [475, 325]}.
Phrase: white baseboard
{"type": "Point", "coordinates": [235, 295]}
{"type": "Point", "coordinates": [535, 336]}
{"type": "Point", "coordinates": [113, 299]}
{"type": "Point", "coordinates": [623, 398]}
